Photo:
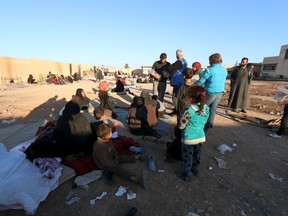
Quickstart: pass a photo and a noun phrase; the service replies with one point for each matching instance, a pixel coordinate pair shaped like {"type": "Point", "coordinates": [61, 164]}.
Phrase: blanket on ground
{"type": "Point", "coordinates": [17, 178]}
{"type": "Point", "coordinates": [85, 163]}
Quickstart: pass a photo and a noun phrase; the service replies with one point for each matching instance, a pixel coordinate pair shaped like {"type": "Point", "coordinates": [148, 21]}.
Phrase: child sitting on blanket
{"type": "Point", "coordinates": [109, 160]}
{"type": "Point", "coordinates": [100, 118]}
{"type": "Point", "coordinates": [137, 120]}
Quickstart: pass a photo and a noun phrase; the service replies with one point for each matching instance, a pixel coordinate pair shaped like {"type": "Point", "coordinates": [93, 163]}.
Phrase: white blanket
{"type": "Point", "coordinates": [22, 186]}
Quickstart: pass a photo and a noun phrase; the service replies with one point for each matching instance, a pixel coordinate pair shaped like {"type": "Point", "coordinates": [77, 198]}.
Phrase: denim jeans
{"type": "Point", "coordinates": [212, 101]}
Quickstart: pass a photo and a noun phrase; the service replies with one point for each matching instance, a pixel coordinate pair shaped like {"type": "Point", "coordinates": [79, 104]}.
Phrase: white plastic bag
{"type": "Point", "coordinates": [281, 93]}
{"type": "Point", "coordinates": [224, 148]}
{"type": "Point", "coordinates": [88, 177]}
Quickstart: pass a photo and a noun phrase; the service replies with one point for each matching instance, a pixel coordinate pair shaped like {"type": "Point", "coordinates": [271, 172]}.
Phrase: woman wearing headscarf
{"type": "Point", "coordinates": [72, 135]}
{"type": "Point", "coordinates": [81, 99]}
{"type": "Point", "coordinates": [73, 131]}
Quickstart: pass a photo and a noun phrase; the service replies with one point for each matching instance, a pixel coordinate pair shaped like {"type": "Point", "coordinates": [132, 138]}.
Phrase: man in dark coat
{"type": "Point", "coordinates": [240, 80]}
{"type": "Point", "coordinates": [159, 85]}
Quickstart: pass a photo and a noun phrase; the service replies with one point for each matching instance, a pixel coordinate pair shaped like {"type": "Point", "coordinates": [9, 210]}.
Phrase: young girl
{"type": "Point", "coordinates": [81, 99]}
{"type": "Point", "coordinates": [192, 122]}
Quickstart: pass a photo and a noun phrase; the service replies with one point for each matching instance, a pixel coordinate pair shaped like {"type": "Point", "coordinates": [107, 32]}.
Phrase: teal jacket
{"type": "Point", "coordinates": [193, 124]}
{"type": "Point", "coordinates": [214, 78]}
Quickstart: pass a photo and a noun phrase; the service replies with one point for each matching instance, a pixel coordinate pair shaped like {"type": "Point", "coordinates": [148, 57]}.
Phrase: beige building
{"type": "Point", "coordinates": [276, 66]}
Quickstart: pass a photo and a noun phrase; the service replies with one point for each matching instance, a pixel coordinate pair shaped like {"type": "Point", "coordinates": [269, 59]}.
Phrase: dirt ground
{"type": "Point", "coordinates": [243, 188]}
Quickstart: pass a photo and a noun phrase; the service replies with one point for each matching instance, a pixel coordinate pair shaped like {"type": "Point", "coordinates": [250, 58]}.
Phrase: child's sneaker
{"type": "Point", "coordinates": [135, 149]}
{"type": "Point", "coordinates": [275, 135]}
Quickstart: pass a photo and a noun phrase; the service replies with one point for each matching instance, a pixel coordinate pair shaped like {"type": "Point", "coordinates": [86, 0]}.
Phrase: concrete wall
{"type": "Point", "coordinates": [19, 69]}
{"type": "Point", "coordinates": [282, 65]}
{"type": "Point", "coordinates": [269, 60]}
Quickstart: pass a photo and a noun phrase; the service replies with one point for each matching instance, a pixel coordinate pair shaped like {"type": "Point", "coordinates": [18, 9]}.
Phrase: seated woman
{"type": "Point", "coordinates": [120, 83]}
{"type": "Point", "coordinates": [61, 80]}
{"type": "Point", "coordinates": [30, 79]}
{"type": "Point", "coordinates": [73, 131]}
{"type": "Point", "coordinates": [54, 79]}
{"type": "Point", "coordinates": [151, 106]}
{"type": "Point", "coordinates": [81, 99]}
{"type": "Point", "coordinates": [72, 135]}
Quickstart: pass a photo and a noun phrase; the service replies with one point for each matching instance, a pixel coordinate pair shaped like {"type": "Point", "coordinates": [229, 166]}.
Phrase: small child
{"type": "Point", "coordinates": [109, 160]}
{"type": "Point", "coordinates": [99, 115]}
{"type": "Point", "coordinates": [193, 135]}
{"type": "Point", "coordinates": [183, 100]}
{"type": "Point", "coordinates": [174, 148]}
{"type": "Point", "coordinates": [196, 67]}
{"type": "Point", "coordinates": [100, 118]}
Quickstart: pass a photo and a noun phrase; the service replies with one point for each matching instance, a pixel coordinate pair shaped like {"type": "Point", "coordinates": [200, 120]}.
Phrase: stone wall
{"type": "Point", "coordinates": [18, 70]}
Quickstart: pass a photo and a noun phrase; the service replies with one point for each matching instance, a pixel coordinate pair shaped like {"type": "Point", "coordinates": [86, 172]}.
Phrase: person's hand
{"type": "Point", "coordinates": [115, 124]}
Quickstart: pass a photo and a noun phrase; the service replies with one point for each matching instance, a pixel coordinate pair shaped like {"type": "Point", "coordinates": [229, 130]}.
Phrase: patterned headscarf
{"type": "Point", "coordinates": [148, 99]}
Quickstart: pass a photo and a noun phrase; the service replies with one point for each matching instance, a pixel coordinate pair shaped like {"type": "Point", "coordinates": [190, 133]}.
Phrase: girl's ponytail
{"type": "Point", "coordinates": [202, 99]}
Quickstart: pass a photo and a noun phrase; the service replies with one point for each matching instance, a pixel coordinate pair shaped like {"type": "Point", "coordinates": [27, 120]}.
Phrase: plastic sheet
{"type": "Point", "coordinates": [22, 182]}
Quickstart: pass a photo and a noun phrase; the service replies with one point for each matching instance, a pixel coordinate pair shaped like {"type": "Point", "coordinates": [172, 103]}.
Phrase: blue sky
{"type": "Point", "coordinates": [114, 32]}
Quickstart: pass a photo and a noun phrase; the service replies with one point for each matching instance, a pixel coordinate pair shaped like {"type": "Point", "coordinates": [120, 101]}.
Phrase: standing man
{"type": "Point", "coordinates": [214, 78]}
{"type": "Point", "coordinates": [240, 80]}
{"type": "Point", "coordinates": [176, 70]}
{"type": "Point", "coordinates": [159, 85]}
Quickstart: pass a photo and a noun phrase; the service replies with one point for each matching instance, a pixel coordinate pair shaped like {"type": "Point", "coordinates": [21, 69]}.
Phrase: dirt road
{"type": "Point", "coordinates": [245, 187]}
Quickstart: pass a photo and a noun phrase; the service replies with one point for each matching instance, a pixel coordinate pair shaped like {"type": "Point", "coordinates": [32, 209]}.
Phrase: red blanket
{"type": "Point", "coordinates": [86, 164]}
